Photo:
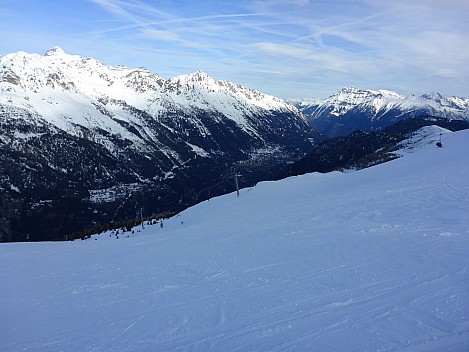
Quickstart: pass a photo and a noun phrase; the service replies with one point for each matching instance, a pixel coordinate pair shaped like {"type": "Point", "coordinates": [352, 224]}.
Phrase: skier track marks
{"type": "Point", "coordinates": [123, 332]}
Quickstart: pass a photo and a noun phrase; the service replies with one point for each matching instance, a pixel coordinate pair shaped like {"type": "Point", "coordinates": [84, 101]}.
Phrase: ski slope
{"type": "Point", "coordinates": [372, 260]}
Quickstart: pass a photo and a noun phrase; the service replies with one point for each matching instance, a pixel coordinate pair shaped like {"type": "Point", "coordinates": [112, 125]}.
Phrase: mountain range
{"type": "Point", "coordinates": [353, 109]}
{"type": "Point", "coordinates": [86, 143]}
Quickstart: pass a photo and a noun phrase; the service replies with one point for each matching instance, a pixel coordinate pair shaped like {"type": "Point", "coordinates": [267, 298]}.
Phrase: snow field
{"type": "Point", "coordinates": [373, 260]}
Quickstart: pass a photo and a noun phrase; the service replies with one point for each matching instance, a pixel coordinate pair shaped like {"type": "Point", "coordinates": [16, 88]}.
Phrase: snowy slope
{"type": "Point", "coordinates": [352, 108]}
{"type": "Point", "coordinates": [373, 260]}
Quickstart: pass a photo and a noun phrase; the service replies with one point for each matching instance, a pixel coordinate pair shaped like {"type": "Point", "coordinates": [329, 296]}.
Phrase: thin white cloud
{"type": "Point", "coordinates": [363, 39]}
{"type": "Point", "coordinates": [115, 8]}
{"type": "Point", "coordinates": [419, 44]}
{"type": "Point", "coordinates": [163, 35]}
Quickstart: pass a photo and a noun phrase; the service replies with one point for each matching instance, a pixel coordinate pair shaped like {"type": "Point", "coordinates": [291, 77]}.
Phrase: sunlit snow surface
{"type": "Point", "coordinates": [373, 260]}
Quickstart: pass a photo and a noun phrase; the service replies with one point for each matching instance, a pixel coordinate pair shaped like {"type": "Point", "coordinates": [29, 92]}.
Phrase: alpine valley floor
{"type": "Point", "coordinates": [369, 260]}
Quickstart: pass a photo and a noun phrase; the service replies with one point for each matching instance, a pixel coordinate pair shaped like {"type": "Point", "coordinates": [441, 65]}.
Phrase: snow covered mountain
{"type": "Point", "coordinates": [373, 260]}
{"type": "Point", "coordinates": [362, 149]}
{"type": "Point", "coordinates": [354, 109]}
{"type": "Point", "coordinates": [100, 141]}
{"type": "Point", "coordinates": [70, 91]}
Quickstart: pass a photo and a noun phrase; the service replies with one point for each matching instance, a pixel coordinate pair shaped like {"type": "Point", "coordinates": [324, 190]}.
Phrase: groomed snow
{"type": "Point", "coordinates": [373, 260]}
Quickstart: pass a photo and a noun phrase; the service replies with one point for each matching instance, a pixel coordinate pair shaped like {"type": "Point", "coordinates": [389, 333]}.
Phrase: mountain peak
{"type": "Point", "coordinates": [351, 95]}
{"type": "Point", "coordinates": [433, 96]}
{"type": "Point", "coordinates": [350, 90]}
{"type": "Point", "coordinates": [200, 76]}
{"type": "Point", "coordinates": [197, 78]}
{"type": "Point", "coordinates": [55, 51]}
{"type": "Point", "coordinates": [353, 91]}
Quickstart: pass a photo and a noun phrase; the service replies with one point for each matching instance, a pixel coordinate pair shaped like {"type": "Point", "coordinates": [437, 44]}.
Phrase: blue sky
{"type": "Point", "coordinates": [287, 48]}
